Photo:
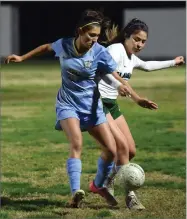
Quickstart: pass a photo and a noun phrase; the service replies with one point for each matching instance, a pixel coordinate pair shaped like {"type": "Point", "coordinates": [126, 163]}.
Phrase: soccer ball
{"type": "Point", "coordinates": [131, 176]}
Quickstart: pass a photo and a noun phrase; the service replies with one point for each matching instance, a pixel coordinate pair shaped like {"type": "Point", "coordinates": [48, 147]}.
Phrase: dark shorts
{"type": "Point", "coordinates": [111, 106]}
{"type": "Point", "coordinates": [86, 120]}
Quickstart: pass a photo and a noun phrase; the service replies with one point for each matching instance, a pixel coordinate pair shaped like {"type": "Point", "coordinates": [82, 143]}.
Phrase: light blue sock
{"type": "Point", "coordinates": [74, 168]}
{"type": "Point", "coordinates": [103, 169]}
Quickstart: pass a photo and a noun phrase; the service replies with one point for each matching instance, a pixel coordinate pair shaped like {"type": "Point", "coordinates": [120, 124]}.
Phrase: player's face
{"type": "Point", "coordinates": [89, 37]}
{"type": "Point", "coordinates": [136, 42]}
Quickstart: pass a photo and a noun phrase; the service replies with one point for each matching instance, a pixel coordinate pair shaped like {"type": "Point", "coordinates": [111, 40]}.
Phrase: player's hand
{"type": "Point", "coordinates": [147, 104]}
{"type": "Point", "coordinates": [123, 90]}
{"type": "Point", "coordinates": [179, 60]}
{"type": "Point", "coordinates": [13, 58]}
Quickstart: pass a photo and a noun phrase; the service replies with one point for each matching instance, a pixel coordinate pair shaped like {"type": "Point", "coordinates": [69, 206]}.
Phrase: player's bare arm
{"type": "Point", "coordinates": [143, 102]}
{"type": "Point", "coordinates": [37, 51]}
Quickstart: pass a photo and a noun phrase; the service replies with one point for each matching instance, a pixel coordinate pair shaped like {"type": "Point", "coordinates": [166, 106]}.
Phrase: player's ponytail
{"type": "Point", "coordinates": [108, 33]}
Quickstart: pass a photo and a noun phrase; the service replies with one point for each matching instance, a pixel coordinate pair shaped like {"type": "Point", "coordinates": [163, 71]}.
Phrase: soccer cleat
{"type": "Point", "coordinates": [104, 193]}
{"type": "Point", "coordinates": [77, 199]}
{"type": "Point", "coordinates": [110, 185]}
{"type": "Point", "coordinates": [132, 202]}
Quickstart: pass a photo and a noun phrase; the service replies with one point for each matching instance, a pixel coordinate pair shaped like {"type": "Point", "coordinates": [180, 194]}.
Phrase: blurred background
{"type": "Point", "coordinates": [26, 25]}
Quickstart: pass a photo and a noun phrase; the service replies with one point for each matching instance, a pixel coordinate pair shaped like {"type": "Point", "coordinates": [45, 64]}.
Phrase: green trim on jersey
{"type": "Point", "coordinates": [111, 106]}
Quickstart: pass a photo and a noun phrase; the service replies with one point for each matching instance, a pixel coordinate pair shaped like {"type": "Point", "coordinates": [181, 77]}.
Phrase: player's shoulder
{"type": "Point", "coordinates": [134, 57]}
{"type": "Point", "coordinates": [98, 48]}
{"type": "Point", "coordinates": [67, 40]}
{"type": "Point", "coordinates": [62, 41]}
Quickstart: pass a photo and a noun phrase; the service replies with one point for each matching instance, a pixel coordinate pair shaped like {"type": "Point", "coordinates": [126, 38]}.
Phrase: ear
{"type": "Point", "coordinates": [80, 31]}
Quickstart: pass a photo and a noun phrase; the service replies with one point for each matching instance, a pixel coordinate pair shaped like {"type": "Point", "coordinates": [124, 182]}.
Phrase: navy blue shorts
{"type": "Point", "coordinates": [86, 120]}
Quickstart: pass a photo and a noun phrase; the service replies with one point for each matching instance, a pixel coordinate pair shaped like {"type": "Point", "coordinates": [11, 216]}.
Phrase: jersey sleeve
{"type": "Point", "coordinates": [106, 63]}
{"type": "Point", "coordinates": [57, 47]}
{"type": "Point", "coordinates": [152, 65]}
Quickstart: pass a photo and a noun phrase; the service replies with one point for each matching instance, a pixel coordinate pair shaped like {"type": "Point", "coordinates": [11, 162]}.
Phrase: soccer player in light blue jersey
{"type": "Point", "coordinates": [78, 104]}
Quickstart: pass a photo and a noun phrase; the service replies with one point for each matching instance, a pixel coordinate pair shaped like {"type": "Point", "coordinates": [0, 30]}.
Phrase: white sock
{"type": "Point", "coordinates": [131, 193]}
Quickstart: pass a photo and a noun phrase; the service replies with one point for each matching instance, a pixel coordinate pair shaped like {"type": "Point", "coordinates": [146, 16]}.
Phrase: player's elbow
{"type": "Point", "coordinates": [48, 47]}
{"type": "Point", "coordinates": [45, 48]}
{"type": "Point", "coordinates": [147, 69]}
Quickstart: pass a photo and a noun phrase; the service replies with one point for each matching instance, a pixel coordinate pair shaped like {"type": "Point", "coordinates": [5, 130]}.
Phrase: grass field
{"type": "Point", "coordinates": [34, 181]}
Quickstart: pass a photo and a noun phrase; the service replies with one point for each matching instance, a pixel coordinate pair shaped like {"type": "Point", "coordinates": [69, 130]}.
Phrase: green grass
{"type": "Point", "coordinates": [34, 180]}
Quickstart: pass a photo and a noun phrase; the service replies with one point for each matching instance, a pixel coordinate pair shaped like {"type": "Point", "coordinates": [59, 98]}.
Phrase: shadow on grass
{"type": "Point", "coordinates": [30, 204]}
{"type": "Point", "coordinates": [99, 206]}
{"type": "Point", "coordinates": [23, 189]}
{"type": "Point", "coordinates": [37, 204]}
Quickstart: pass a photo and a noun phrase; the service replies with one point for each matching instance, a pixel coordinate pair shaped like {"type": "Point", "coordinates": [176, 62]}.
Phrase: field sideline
{"type": "Point", "coordinates": [34, 181]}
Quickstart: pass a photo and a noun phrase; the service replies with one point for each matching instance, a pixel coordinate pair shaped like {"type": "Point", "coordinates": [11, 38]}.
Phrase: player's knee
{"type": "Point", "coordinates": [110, 150]}
{"type": "Point", "coordinates": [132, 151]}
{"type": "Point", "coordinates": [122, 147]}
{"type": "Point", "coordinates": [108, 155]}
{"type": "Point", "coordinates": [76, 144]}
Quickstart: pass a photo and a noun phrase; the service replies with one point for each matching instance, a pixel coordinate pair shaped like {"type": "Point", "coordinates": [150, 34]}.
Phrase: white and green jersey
{"type": "Point", "coordinates": [125, 67]}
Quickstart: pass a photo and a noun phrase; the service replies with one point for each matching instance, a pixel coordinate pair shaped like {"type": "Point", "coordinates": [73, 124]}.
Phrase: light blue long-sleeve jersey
{"type": "Point", "coordinates": [79, 90]}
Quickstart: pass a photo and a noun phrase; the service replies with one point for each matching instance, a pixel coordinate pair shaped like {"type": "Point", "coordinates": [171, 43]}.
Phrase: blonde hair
{"type": "Point", "coordinates": [109, 34]}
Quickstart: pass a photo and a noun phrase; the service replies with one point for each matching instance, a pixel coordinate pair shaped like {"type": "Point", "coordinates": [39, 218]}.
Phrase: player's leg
{"type": "Point", "coordinates": [72, 130]}
{"type": "Point", "coordinates": [122, 154]}
{"type": "Point", "coordinates": [112, 112]}
{"type": "Point", "coordinates": [122, 146]}
{"type": "Point", "coordinates": [123, 126]}
{"type": "Point", "coordinates": [131, 199]}
{"type": "Point", "coordinates": [111, 108]}
{"type": "Point", "coordinates": [104, 137]}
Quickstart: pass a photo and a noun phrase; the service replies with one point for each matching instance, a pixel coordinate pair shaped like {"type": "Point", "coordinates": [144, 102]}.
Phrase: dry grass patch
{"type": "Point", "coordinates": [11, 150]}
{"type": "Point", "coordinates": [3, 129]}
{"type": "Point", "coordinates": [33, 81]}
{"type": "Point", "coordinates": [156, 155]}
{"type": "Point", "coordinates": [157, 176]}
{"type": "Point", "coordinates": [159, 203]}
{"type": "Point", "coordinates": [27, 76]}
{"type": "Point", "coordinates": [158, 78]}
{"type": "Point", "coordinates": [178, 126]}
{"type": "Point", "coordinates": [161, 155]}
{"type": "Point", "coordinates": [157, 81]}
{"type": "Point", "coordinates": [38, 169]}
{"type": "Point", "coordinates": [20, 111]}
{"type": "Point", "coordinates": [180, 154]}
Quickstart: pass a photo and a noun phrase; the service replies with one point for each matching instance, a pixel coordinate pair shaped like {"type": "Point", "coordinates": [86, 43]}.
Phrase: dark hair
{"type": "Point", "coordinates": [135, 25]}
{"type": "Point", "coordinates": [91, 16]}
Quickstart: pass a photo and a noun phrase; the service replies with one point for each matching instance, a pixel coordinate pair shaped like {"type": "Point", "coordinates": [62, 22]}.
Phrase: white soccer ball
{"type": "Point", "coordinates": [131, 176]}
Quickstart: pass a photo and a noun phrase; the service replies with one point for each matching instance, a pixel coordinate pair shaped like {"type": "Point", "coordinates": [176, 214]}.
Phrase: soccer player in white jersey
{"type": "Point", "coordinates": [123, 48]}
{"type": "Point", "coordinates": [78, 104]}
